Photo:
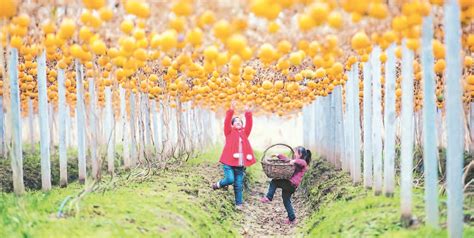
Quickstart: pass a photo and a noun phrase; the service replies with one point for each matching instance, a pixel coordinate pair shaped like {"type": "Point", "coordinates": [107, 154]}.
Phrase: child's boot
{"type": "Point", "coordinates": [265, 200]}
{"type": "Point", "coordinates": [239, 207]}
{"type": "Point", "coordinates": [289, 222]}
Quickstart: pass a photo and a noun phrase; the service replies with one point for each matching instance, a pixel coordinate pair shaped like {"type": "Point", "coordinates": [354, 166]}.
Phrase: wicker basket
{"type": "Point", "coordinates": [276, 168]}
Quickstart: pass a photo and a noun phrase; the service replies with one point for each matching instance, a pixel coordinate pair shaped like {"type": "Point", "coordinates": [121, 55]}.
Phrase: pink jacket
{"type": "Point", "coordinates": [300, 169]}
{"type": "Point", "coordinates": [230, 154]}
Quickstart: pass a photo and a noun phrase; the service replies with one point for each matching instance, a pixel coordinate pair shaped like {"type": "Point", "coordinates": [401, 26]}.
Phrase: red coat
{"type": "Point", "coordinates": [230, 154]}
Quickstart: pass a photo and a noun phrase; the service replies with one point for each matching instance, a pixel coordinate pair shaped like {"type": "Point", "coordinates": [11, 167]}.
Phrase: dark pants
{"type": "Point", "coordinates": [287, 190]}
{"type": "Point", "coordinates": [234, 175]}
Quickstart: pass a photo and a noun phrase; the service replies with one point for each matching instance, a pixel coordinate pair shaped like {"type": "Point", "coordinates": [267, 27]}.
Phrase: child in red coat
{"type": "Point", "coordinates": [237, 153]}
{"type": "Point", "coordinates": [301, 160]}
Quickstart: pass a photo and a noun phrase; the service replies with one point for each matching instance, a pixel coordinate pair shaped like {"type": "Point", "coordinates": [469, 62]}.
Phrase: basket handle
{"type": "Point", "coordinates": [279, 144]}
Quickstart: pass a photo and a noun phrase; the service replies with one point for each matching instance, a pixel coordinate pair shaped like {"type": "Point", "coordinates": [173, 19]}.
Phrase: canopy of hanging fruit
{"type": "Point", "coordinates": [278, 55]}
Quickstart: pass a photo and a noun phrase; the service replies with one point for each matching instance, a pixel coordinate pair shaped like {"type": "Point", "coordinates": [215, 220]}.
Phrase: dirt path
{"type": "Point", "coordinates": [267, 220]}
{"type": "Point", "coordinates": [263, 220]}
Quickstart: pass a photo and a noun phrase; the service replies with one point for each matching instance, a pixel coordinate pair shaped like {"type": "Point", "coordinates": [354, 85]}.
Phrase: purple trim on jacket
{"type": "Point", "coordinates": [300, 169]}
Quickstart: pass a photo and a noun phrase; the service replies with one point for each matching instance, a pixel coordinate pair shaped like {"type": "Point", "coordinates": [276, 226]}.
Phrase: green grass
{"type": "Point", "coordinates": [175, 203]}
{"type": "Point", "coordinates": [369, 216]}
{"type": "Point", "coordinates": [344, 210]}
{"type": "Point", "coordinates": [178, 203]}
{"type": "Point", "coordinates": [210, 156]}
{"type": "Point", "coordinates": [32, 169]}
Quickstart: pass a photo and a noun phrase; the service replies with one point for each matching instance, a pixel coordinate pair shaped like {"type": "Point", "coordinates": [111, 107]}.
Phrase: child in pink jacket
{"type": "Point", "coordinates": [301, 160]}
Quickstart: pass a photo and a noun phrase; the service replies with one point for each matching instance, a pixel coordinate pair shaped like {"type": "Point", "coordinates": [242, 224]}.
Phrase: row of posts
{"type": "Point", "coordinates": [152, 131]}
{"type": "Point", "coordinates": [364, 145]}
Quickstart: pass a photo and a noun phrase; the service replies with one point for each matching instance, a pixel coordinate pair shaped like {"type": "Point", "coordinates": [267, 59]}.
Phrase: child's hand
{"type": "Point", "coordinates": [292, 162]}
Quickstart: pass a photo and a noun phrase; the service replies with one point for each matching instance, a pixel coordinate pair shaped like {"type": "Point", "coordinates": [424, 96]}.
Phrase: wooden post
{"type": "Point", "coordinates": [16, 152]}
{"type": "Point", "coordinates": [339, 128]}
{"type": "Point", "coordinates": [367, 133]}
{"type": "Point", "coordinates": [327, 127]}
{"type": "Point", "coordinates": [197, 120]}
{"type": "Point", "coordinates": [170, 127]}
{"type": "Point", "coordinates": [356, 122]}
{"type": "Point", "coordinates": [101, 132]}
{"type": "Point", "coordinates": [125, 129]}
{"type": "Point", "coordinates": [62, 125]}
{"type": "Point", "coordinates": [376, 120]}
{"type": "Point", "coordinates": [308, 122]}
{"type": "Point", "coordinates": [147, 121]}
{"type": "Point", "coordinates": [332, 129]}
{"type": "Point", "coordinates": [314, 126]}
{"type": "Point", "coordinates": [351, 117]}
{"type": "Point", "coordinates": [325, 119]}
{"type": "Point", "coordinates": [93, 129]}
{"type": "Point", "coordinates": [50, 110]}
{"type": "Point", "coordinates": [346, 166]}
{"type": "Point", "coordinates": [349, 124]}
{"type": "Point", "coordinates": [69, 126]}
{"type": "Point", "coordinates": [174, 126]}
{"type": "Point", "coordinates": [141, 128]}
{"type": "Point", "coordinates": [3, 151]}
{"type": "Point", "coordinates": [320, 118]}
{"type": "Point", "coordinates": [311, 121]}
{"type": "Point", "coordinates": [407, 138]}
{"type": "Point", "coordinates": [430, 150]}
{"type": "Point", "coordinates": [44, 124]}
{"type": "Point", "coordinates": [6, 81]}
{"type": "Point", "coordinates": [161, 134]}
{"type": "Point", "coordinates": [31, 128]}
{"type": "Point", "coordinates": [109, 130]}
{"type": "Point", "coordinates": [133, 141]}
{"type": "Point", "coordinates": [325, 124]}
{"type": "Point", "coordinates": [165, 118]}
{"type": "Point", "coordinates": [454, 118]}
{"type": "Point", "coordinates": [176, 123]}
{"type": "Point", "coordinates": [80, 114]}
{"type": "Point", "coordinates": [2, 129]}
{"type": "Point", "coordinates": [389, 122]}
{"type": "Point", "coordinates": [155, 125]}
{"type": "Point", "coordinates": [313, 140]}
{"type": "Point", "coordinates": [471, 126]}
{"type": "Point", "coordinates": [212, 133]}
{"type": "Point", "coordinates": [203, 115]}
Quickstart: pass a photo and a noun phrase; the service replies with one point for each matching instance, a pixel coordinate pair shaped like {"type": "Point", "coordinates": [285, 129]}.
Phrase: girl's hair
{"type": "Point", "coordinates": [233, 120]}
{"type": "Point", "coordinates": [305, 154]}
